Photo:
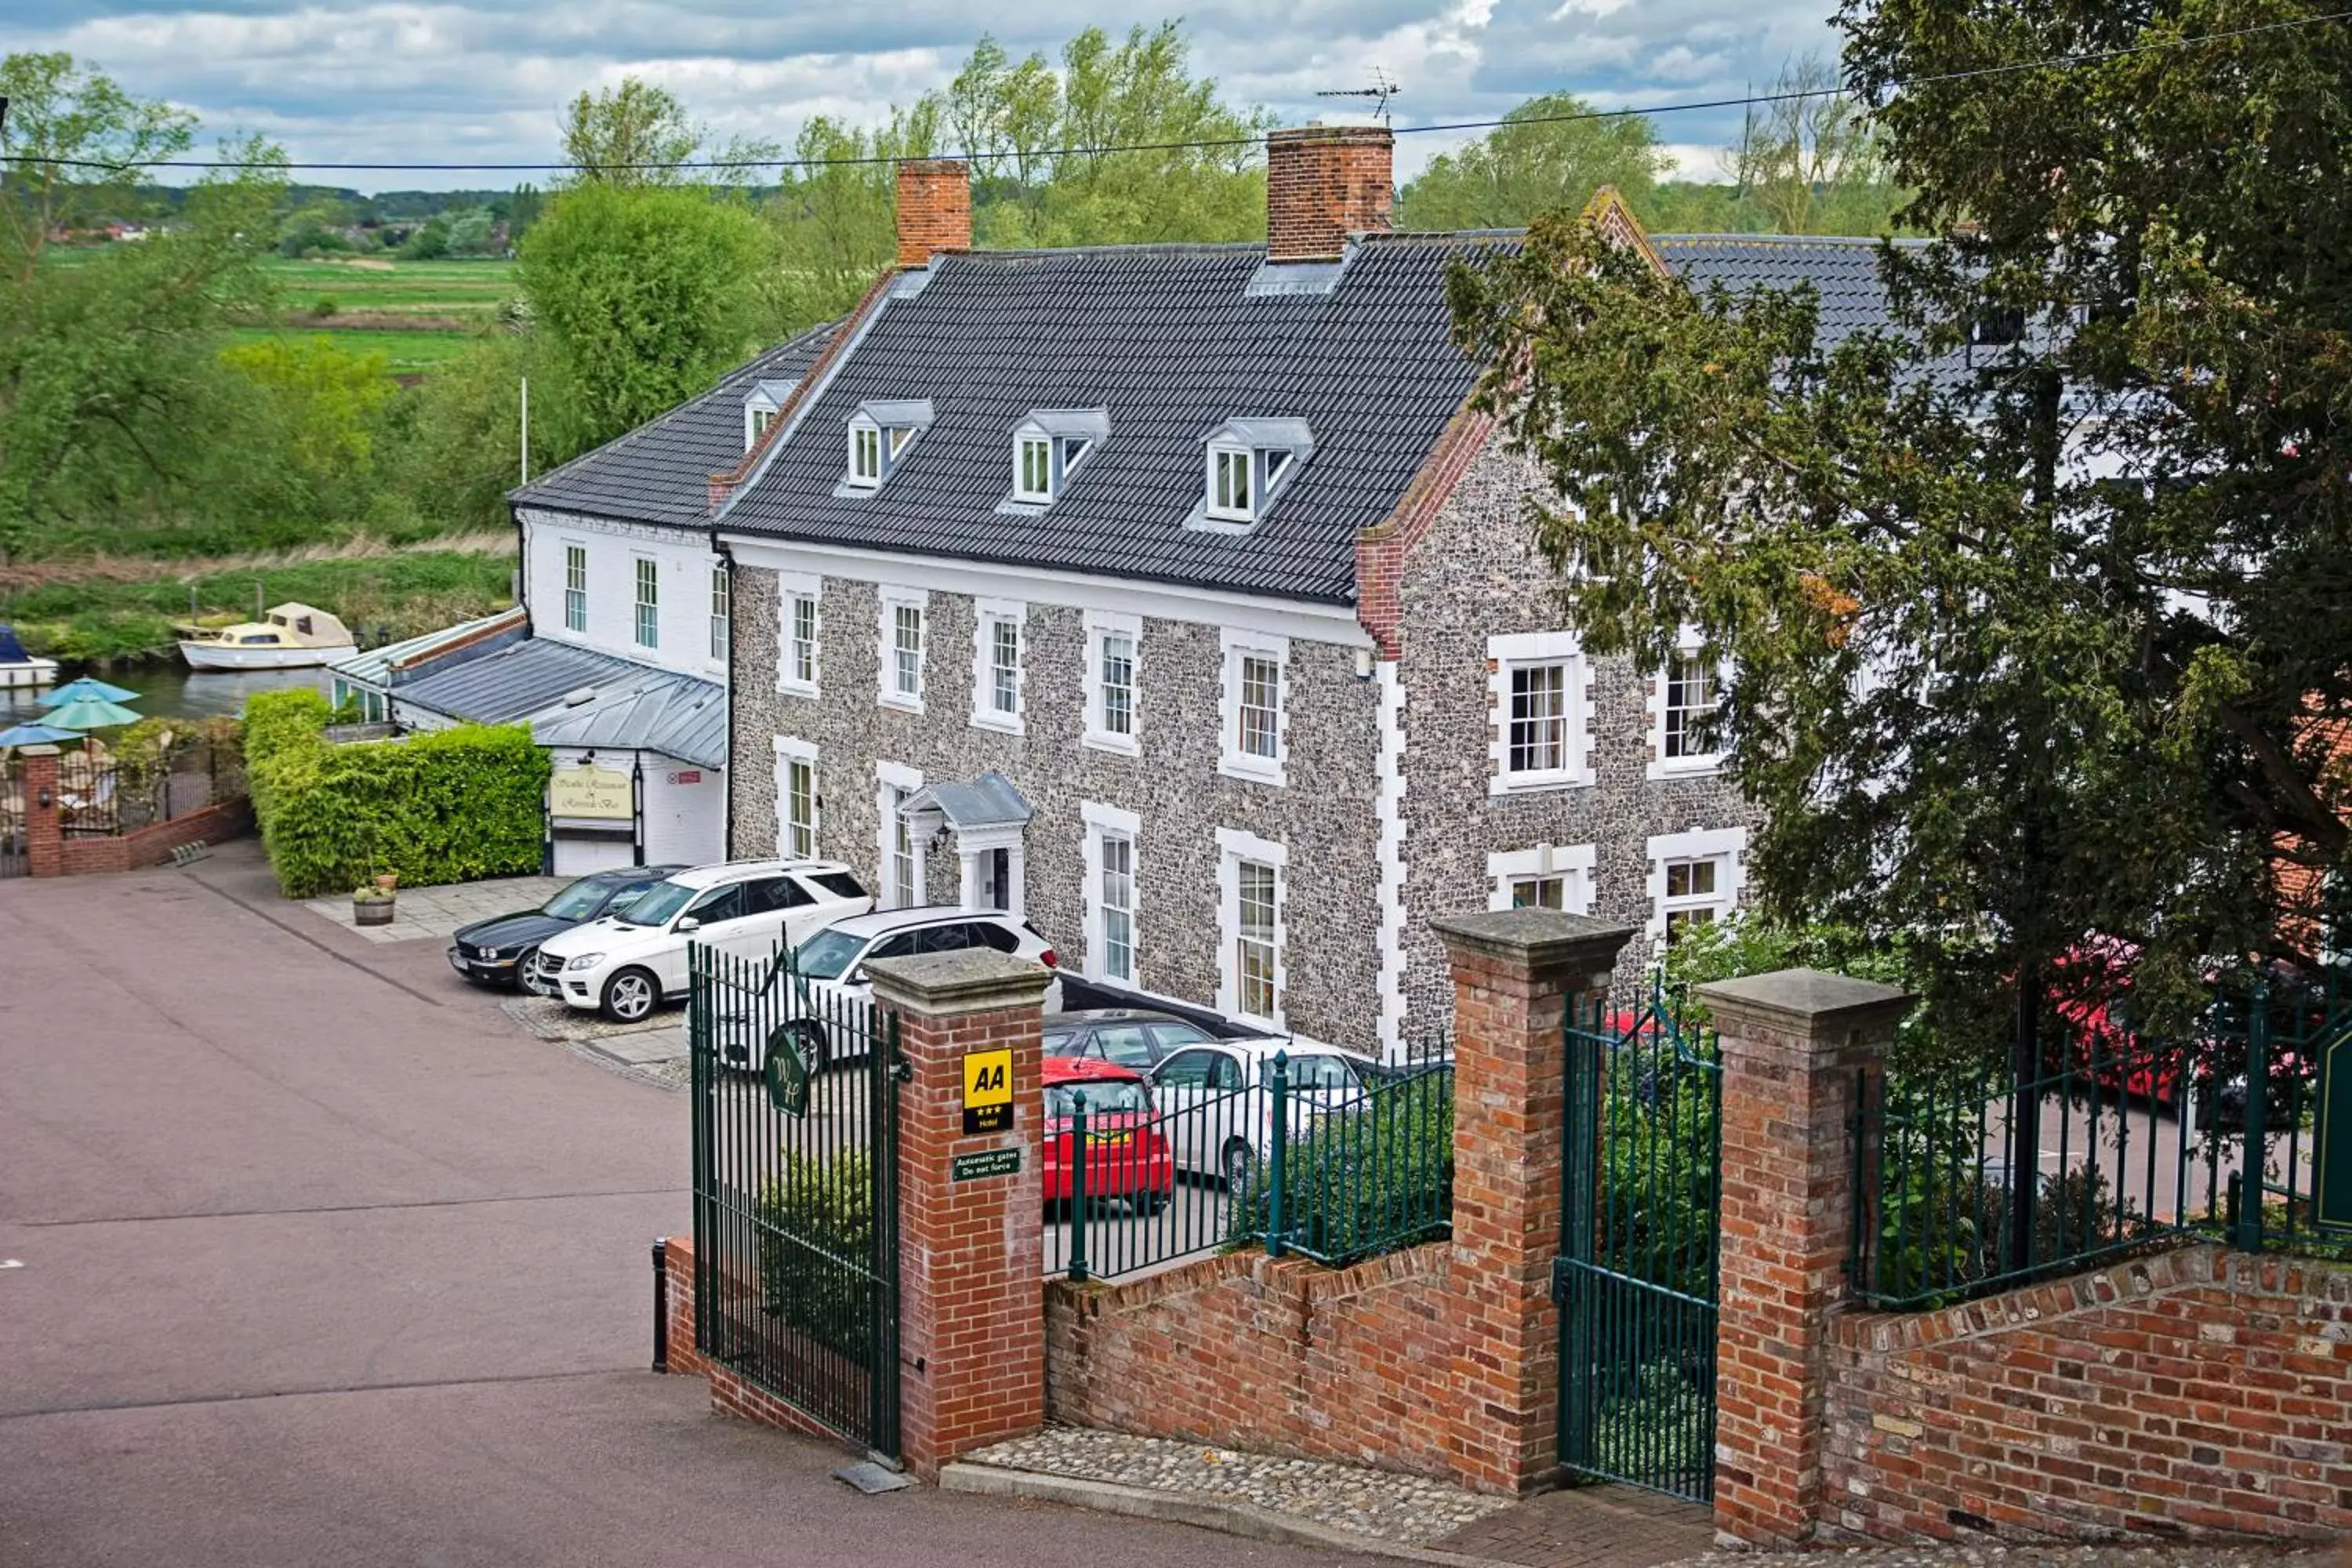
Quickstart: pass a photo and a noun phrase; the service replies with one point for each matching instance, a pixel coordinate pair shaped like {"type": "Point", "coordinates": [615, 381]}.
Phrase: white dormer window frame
{"type": "Point", "coordinates": [1033, 468]}
{"type": "Point", "coordinates": [1247, 464]}
{"type": "Point", "coordinates": [864, 454]}
{"type": "Point", "coordinates": [763, 405]}
{"type": "Point", "coordinates": [1232, 489]}
{"type": "Point", "coordinates": [879, 435]}
{"type": "Point", "coordinates": [1048, 448]}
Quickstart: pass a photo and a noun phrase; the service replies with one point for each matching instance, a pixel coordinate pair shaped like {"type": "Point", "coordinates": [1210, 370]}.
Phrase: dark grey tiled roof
{"type": "Point", "coordinates": [635, 706]}
{"type": "Point", "coordinates": [1844, 274]}
{"type": "Point", "coordinates": [1169, 341]}
{"type": "Point", "coordinates": [660, 471]}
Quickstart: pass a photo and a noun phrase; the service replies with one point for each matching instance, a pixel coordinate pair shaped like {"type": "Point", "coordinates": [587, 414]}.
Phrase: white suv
{"type": "Point", "coordinates": [829, 971]}
{"type": "Point", "coordinates": [628, 964]}
{"type": "Point", "coordinates": [1217, 1108]}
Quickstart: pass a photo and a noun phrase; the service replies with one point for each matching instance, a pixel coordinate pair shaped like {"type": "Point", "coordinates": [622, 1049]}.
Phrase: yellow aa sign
{"type": "Point", "coordinates": [987, 1091]}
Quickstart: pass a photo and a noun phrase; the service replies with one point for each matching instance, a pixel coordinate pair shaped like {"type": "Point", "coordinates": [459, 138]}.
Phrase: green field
{"type": "Point", "coordinates": [470, 290]}
{"type": "Point", "coordinates": [417, 353]}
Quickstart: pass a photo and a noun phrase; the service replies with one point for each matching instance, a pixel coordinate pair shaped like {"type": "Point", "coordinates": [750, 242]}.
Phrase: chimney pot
{"type": "Point", "coordinates": [934, 208]}
{"type": "Point", "coordinates": [1324, 183]}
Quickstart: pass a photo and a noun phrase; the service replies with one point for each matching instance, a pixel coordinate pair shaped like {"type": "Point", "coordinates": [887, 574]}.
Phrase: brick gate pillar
{"type": "Point", "coordinates": [971, 1306]}
{"type": "Point", "coordinates": [1795, 1045]}
{"type": "Point", "coordinates": [1515, 975]}
{"type": "Point", "coordinates": [44, 839]}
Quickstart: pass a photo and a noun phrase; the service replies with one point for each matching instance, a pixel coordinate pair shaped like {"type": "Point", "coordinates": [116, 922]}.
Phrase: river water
{"type": "Point", "coordinates": [170, 689]}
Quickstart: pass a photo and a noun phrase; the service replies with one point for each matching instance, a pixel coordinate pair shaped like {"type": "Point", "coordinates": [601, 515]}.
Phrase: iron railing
{"type": "Point", "coordinates": [1334, 1164]}
{"type": "Point", "coordinates": [795, 1115]}
{"type": "Point", "coordinates": [1972, 1181]}
{"type": "Point", "coordinates": [1637, 1278]}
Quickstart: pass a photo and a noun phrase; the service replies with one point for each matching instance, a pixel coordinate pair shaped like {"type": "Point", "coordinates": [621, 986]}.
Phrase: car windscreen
{"type": "Point", "coordinates": [578, 901]}
{"type": "Point", "coordinates": [1321, 1072]}
{"type": "Point", "coordinates": [1103, 1096]}
{"type": "Point", "coordinates": [655, 905]}
{"type": "Point", "coordinates": [824, 955]}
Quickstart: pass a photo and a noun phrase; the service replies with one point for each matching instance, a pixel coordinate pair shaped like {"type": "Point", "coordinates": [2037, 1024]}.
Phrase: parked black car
{"type": "Point", "coordinates": [498, 950]}
{"type": "Point", "coordinates": [1131, 1036]}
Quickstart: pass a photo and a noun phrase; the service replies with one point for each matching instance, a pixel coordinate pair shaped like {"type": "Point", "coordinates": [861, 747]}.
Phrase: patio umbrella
{"type": "Point", "coordinates": [86, 688]}
{"type": "Point", "coordinates": [35, 735]}
{"type": "Point", "coordinates": [89, 713]}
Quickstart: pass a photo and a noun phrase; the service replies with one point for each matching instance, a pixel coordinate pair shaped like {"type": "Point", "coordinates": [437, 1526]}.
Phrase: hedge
{"type": "Point", "coordinates": [449, 805]}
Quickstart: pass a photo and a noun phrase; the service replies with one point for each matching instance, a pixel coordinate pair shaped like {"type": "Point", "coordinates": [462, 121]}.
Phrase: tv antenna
{"type": "Point", "coordinates": [1383, 87]}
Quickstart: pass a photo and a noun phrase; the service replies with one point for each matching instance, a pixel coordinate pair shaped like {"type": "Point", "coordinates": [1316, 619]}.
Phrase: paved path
{"type": "Point", "coordinates": [436, 913]}
{"type": "Point", "coordinates": [325, 1261]}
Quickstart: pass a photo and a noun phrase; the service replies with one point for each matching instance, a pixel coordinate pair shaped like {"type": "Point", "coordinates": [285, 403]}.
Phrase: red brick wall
{"type": "Point", "coordinates": [1324, 183]}
{"type": "Point", "coordinates": [135, 851]}
{"type": "Point", "coordinates": [2199, 1391]}
{"type": "Point", "coordinates": [729, 1395]}
{"type": "Point", "coordinates": [934, 208]}
{"type": "Point", "coordinates": [1279, 1356]}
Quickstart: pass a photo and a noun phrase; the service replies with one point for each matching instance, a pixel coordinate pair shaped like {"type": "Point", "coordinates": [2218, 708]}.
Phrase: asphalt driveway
{"type": "Point", "coordinates": [314, 1257]}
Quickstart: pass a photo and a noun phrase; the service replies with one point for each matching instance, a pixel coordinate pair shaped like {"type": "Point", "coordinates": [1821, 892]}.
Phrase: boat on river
{"type": "Point", "coordinates": [19, 670]}
{"type": "Point", "coordinates": [286, 637]}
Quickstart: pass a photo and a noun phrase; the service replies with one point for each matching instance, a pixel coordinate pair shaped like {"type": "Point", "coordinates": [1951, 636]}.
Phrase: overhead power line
{"type": "Point", "coordinates": [727, 165]}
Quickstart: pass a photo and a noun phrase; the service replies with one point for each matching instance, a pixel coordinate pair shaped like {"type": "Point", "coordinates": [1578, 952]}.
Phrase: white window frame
{"type": "Point", "coordinates": [1022, 488]}
{"type": "Point", "coordinates": [575, 597]}
{"type": "Point", "coordinates": [1505, 656]}
{"type": "Point", "coordinates": [1238, 648]}
{"type": "Point", "coordinates": [988, 615]}
{"type": "Point", "coordinates": [722, 613]}
{"type": "Point", "coordinates": [894, 784]}
{"type": "Point", "coordinates": [758, 418]}
{"type": "Point", "coordinates": [892, 601]}
{"type": "Point", "coordinates": [1101, 623]}
{"type": "Point", "coordinates": [1222, 457]}
{"type": "Point", "coordinates": [793, 591]}
{"type": "Point", "coordinates": [864, 442]}
{"type": "Point", "coordinates": [794, 752]}
{"type": "Point", "coordinates": [646, 572]}
{"type": "Point", "coordinates": [1727, 846]}
{"type": "Point", "coordinates": [1662, 766]}
{"type": "Point", "coordinates": [1572, 865]}
{"type": "Point", "coordinates": [1235, 847]}
{"type": "Point", "coordinates": [1109, 823]}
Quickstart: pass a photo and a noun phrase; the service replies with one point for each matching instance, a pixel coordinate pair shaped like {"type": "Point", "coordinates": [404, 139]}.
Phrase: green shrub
{"type": "Point", "coordinates": [453, 806]}
{"type": "Point", "coordinates": [1374, 1175]}
{"type": "Point", "coordinates": [816, 1241]}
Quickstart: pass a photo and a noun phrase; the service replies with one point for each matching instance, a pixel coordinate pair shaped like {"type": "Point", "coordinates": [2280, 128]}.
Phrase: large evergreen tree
{"type": "Point", "coordinates": [2037, 606]}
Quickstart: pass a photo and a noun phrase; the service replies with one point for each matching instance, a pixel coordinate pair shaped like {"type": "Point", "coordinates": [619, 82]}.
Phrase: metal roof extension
{"type": "Point", "coordinates": [578, 697]}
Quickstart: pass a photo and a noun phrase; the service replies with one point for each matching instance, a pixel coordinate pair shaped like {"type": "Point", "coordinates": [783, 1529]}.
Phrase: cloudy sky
{"type": "Point", "coordinates": [481, 80]}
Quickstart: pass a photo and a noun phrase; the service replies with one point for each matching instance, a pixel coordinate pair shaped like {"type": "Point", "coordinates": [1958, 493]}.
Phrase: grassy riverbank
{"type": "Point", "coordinates": [377, 596]}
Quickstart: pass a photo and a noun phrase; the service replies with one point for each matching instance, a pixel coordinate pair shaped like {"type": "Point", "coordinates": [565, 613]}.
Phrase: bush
{"type": "Point", "coordinates": [816, 1237]}
{"type": "Point", "coordinates": [451, 805]}
{"type": "Point", "coordinates": [1374, 1176]}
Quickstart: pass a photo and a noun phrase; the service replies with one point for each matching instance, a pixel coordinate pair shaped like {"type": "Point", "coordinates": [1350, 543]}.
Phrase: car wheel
{"type": "Point", "coordinates": [1150, 1204]}
{"type": "Point", "coordinates": [808, 1039]}
{"type": "Point", "coordinates": [523, 966]}
{"type": "Point", "coordinates": [631, 995]}
{"type": "Point", "coordinates": [1239, 1165]}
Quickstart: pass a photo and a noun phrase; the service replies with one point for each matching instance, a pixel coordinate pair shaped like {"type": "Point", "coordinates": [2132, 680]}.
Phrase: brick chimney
{"type": "Point", "coordinates": [934, 208]}
{"type": "Point", "coordinates": [1324, 183]}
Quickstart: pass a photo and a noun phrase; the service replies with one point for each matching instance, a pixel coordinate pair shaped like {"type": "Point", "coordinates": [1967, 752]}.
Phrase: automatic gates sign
{"type": "Point", "coordinates": [987, 1091]}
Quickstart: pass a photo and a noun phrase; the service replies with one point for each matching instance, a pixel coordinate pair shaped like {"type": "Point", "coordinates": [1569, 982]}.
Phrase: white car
{"type": "Point", "coordinates": [1216, 1107]}
{"type": "Point", "coordinates": [828, 973]}
{"type": "Point", "coordinates": [628, 964]}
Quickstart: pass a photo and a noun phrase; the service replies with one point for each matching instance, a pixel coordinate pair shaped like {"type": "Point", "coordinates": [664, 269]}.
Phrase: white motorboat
{"type": "Point", "coordinates": [287, 638]}
{"type": "Point", "coordinates": [19, 670]}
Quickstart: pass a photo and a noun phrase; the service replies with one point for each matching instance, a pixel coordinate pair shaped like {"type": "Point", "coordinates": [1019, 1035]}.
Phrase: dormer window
{"type": "Point", "coordinates": [763, 405]}
{"type": "Point", "coordinates": [1249, 461]}
{"type": "Point", "coordinates": [1047, 449]}
{"type": "Point", "coordinates": [879, 435]}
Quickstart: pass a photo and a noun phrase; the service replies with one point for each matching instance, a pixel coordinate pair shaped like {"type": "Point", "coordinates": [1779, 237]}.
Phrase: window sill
{"type": "Point", "coordinates": [1119, 746]}
{"type": "Point", "coordinates": [901, 704]}
{"type": "Point", "coordinates": [1687, 768]}
{"type": "Point", "coordinates": [796, 688]}
{"type": "Point", "coordinates": [1252, 770]}
{"type": "Point", "coordinates": [1000, 723]}
{"type": "Point", "coordinates": [1537, 783]}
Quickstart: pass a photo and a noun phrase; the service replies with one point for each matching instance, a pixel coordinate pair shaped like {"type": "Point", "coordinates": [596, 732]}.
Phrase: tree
{"type": "Point", "coordinates": [61, 120]}
{"type": "Point", "coordinates": [833, 219]}
{"type": "Point", "coordinates": [2035, 649]}
{"type": "Point", "coordinates": [1534, 161]}
{"type": "Point", "coordinates": [645, 295]}
{"type": "Point", "coordinates": [1809, 160]}
{"type": "Point", "coordinates": [638, 134]}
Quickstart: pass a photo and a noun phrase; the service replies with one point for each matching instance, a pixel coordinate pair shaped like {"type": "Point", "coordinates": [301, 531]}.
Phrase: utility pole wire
{"type": "Point", "coordinates": [2088, 57]}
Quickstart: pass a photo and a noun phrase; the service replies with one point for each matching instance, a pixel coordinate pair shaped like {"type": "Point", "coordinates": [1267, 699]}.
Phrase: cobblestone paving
{"type": "Point", "coordinates": [422, 913]}
{"type": "Point", "coordinates": [652, 1053]}
{"type": "Point", "coordinates": [1371, 1502]}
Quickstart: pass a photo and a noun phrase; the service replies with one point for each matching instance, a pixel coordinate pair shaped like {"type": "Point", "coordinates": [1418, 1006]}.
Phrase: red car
{"type": "Point", "coordinates": [1127, 1156]}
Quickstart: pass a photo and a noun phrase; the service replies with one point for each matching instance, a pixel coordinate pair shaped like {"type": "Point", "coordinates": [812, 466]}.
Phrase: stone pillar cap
{"type": "Point", "coordinates": [36, 751]}
{"type": "Point", "coordinates": [1810, 1001]}
{"type": "Point", "coordinates": [1537, 939]}
{"type": "Point", "coordinates": [976, 980]}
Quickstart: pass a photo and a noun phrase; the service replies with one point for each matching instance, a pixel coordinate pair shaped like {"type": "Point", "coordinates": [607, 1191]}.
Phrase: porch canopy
{"type": "Point", "coordinates": [989, 818]}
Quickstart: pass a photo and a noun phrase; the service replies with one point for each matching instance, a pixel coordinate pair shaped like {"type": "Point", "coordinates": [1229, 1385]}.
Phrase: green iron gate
{"type": "Point", "coordinates": [796, 1191]}
{"type": "Point", "coordinates": [1635, 1280]}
